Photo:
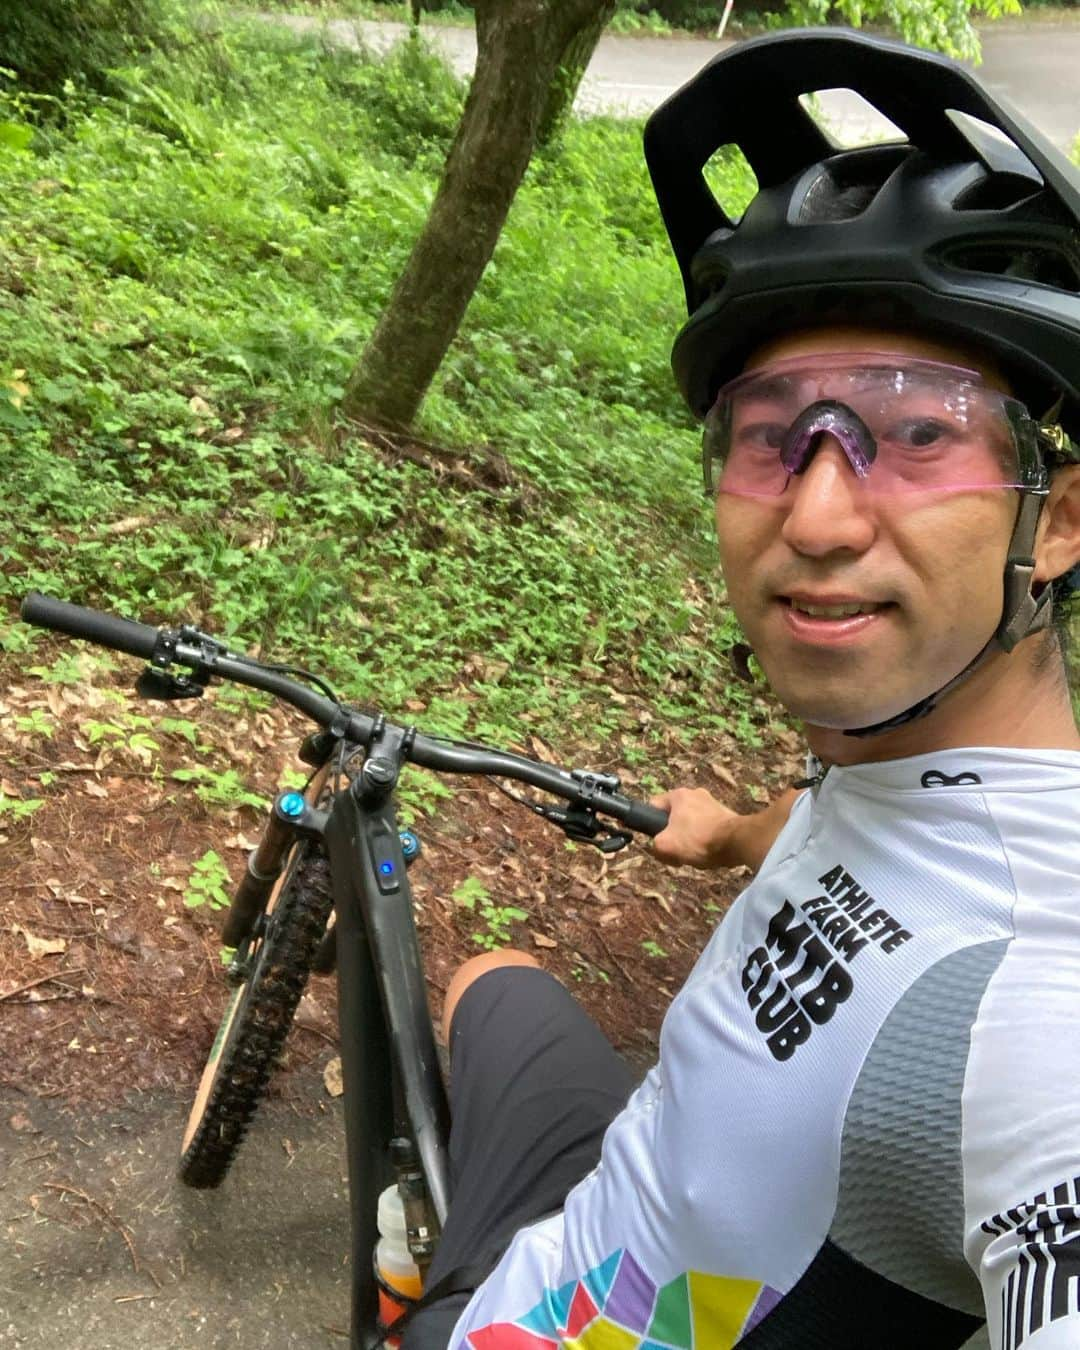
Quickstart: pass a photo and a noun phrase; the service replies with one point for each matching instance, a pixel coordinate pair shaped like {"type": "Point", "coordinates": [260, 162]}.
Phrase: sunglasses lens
{"type": "Point", "coordinates": [914, 426]}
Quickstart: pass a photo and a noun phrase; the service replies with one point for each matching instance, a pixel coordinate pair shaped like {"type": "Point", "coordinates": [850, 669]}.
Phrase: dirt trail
{"type": "Point", "coordinates": [111, 990]}
{"type": "Point", "coordinates": [101, 1247]}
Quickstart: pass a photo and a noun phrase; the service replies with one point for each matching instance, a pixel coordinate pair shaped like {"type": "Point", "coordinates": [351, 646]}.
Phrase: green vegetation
{"type": "Point", "coordinates": [446, 13]}
{"type": "Point", "coordinates": [129, 732]}
{"type": "Point", "coordinates": [473, 895]}
{"type": "Point", "coordinates": [936, 23]}
{"type": "Point", "coordinates": [209, 883]}
{"type": "Point", "coordinates": [17, 809]}
{"type": "Point", "coordinates": [50, 42]}
{"type": "Point", "coordinates": [943, 25]}
{"type": "Point", "coordinates": [190, 267]}
{"type": "Point", "coordinates": [36, 723]}
{"type": "Point", "coordinates": [222, 788]}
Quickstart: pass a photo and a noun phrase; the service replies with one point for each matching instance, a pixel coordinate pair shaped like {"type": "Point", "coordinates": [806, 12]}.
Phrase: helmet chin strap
{"type": "Point", "coordinates": [1023, 613]}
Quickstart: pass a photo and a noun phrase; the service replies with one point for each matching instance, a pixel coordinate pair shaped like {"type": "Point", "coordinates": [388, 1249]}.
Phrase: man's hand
{"type": "Point", "coordinates": [705, 833]}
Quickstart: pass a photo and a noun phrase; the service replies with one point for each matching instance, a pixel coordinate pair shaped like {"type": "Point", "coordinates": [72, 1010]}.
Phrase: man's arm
{"type": "Point", "coordinates": [1029, 1272]}
{"type": "Point", "coordinates": [705, 833]}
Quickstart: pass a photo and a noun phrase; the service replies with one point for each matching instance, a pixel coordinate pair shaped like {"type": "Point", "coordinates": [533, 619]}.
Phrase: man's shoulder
{"type": "Point", "coordinates": [996, 770]}
{"type": "Point", "coordinates": [979, 806]}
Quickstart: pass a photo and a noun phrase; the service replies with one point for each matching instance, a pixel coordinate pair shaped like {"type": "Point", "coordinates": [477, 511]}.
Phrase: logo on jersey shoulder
{"type": "Point", "coordinates": [1042, 1285]}
{"type": "Point", "coordinates": [935, 778]}
{"type": "Point", "coordinates": [799, 976]}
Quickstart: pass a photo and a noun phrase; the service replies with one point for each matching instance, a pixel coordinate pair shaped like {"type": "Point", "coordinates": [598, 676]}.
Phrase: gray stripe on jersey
{"type": "Point", "coordinates": [900, 1150]}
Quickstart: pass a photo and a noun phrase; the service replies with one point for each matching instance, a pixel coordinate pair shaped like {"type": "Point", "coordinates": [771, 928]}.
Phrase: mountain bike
{"type": "Point", "coordinates": [336, 847]}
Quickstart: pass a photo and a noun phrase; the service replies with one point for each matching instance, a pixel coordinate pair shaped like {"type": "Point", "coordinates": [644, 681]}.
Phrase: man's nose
{"type": "Point", "coordinates": [829, 510]}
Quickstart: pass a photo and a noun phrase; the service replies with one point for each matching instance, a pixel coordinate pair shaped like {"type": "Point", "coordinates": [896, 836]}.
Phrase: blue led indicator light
{"type": "Point", "coordinates": [386, 868]}
{"type": "Point", "coordinates": [292, 804]}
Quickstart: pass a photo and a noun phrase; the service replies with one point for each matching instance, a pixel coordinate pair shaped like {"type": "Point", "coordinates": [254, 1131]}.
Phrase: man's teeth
{"type": "Point", "coordinates": [833, 611]}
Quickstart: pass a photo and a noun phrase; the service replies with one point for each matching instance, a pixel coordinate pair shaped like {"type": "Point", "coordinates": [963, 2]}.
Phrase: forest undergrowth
{"type": "Point", "coordinates": [193, 260]}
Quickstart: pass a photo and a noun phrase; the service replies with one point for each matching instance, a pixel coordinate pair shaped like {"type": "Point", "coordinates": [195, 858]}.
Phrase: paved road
{"type": "Point", "coordinates": [1034, 67]}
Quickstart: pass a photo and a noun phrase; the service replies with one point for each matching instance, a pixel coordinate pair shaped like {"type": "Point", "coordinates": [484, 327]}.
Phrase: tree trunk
{"type": "Point", "coordinates": [572, 68]}
{"type": "Point", "coordinates": [520, 46]}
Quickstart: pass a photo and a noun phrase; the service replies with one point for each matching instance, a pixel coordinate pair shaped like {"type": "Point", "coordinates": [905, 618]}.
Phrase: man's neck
{"type": "Point", "coordinates": [1011, 702]}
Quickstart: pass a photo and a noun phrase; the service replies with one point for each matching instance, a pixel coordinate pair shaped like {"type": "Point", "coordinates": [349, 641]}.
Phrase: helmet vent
{"type": "Point", "coordinates": [826, 200]}
{"type": "Point", "coordinates": [731, 180]}
{"type": "Point", "coordinates": [1022, 262]}
{"type": "Point", "coordinates": [997, 192]}
{"type": "Point", "coordinates": [848, 119]}
{"type": "Point", "coordinates": [845, 185]}
{"type": "Point", "coordinates": [996, 151]}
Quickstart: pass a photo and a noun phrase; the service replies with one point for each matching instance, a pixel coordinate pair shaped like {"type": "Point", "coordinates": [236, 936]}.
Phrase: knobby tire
{"type": "Point", "coordinates": [252, 1032]}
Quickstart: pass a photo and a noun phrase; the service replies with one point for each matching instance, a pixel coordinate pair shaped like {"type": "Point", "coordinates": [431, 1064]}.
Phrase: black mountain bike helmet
{"type": "Point", "coordinates": [954, 230]}
{"type": "Point", "coordinates": [968, 229]}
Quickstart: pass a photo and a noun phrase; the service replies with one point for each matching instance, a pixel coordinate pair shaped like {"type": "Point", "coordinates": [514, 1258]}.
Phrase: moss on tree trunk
{"type": "Point", "coordinates": [572, 66]}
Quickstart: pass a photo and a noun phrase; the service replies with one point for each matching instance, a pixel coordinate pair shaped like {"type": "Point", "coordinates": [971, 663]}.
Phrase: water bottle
{"type": "Point", "coordinates": [393, 1261]}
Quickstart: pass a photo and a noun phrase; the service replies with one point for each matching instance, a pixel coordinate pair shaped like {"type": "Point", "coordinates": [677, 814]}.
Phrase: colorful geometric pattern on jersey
{"type": "Point", "coordinates": [863, 1131]}
{"type": "Point", "coordinates": [615, 1306]}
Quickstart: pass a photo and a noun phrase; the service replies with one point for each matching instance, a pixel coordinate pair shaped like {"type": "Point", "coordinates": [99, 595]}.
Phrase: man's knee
{"type": "Point", "coordinates": [471, 970]}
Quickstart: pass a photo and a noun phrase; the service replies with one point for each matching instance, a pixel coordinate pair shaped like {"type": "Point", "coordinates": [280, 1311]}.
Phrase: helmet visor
{"type": "Point", "coordinates": [904, 425]}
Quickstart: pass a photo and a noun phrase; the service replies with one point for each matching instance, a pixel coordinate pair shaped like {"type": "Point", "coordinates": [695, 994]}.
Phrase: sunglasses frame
{"type": "Point", "coordinates": [1029, 436]}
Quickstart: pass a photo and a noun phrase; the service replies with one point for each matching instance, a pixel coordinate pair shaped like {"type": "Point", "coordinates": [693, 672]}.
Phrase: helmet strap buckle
{"type": "Point", "coordinates": [1023, 612]}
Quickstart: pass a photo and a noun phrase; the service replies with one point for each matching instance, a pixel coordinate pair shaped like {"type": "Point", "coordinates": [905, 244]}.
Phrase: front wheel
{"type": "Point", "coordinates": [253, 1030]}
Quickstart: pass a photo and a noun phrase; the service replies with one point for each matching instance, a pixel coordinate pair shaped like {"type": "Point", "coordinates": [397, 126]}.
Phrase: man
{"type": "Point", "coordinates": [864, 1127]}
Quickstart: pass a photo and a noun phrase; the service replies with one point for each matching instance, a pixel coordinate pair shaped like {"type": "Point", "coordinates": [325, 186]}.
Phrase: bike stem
{"type": "Point", "coordinates": [386, 1031]}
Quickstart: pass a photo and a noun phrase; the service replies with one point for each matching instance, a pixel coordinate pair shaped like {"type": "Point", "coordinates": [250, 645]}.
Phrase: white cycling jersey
{"type": "Point", "coordinates": [863, 1131]}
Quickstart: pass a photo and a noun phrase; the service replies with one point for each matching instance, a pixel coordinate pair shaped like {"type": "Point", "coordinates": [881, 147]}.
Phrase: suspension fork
{"type": "Point", "coordinates": [291, 815]}
{"type": "Point", "coordinates": [386, 1032]}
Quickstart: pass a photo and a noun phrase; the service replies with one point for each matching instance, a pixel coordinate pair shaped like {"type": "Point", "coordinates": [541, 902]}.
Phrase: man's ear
{"type": "Point", "coordinates": [1057, 545]}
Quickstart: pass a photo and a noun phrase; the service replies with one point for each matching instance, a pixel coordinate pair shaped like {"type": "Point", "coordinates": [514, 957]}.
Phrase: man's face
{"type": "Point", "coordinates": [926, 567]}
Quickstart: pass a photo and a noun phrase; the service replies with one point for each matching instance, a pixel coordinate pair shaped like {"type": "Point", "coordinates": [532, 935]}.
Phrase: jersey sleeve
{"type": "Point", "coordinates": [1021, 1129]}
{"type": "Point", "coordinates": [1030, 1271]}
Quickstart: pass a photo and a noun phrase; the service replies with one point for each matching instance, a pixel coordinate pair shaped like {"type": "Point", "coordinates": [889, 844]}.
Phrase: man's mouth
{"type": "Point", "coordinates": [832, 610]}
{"type": "Point", "coordinates": [832, 620]}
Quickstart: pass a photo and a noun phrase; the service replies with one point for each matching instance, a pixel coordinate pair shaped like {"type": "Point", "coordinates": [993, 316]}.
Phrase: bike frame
{"type": "Point", "coordinates": [394, 1100]}
{"type": "Point", "coordinates": [389, 1063]}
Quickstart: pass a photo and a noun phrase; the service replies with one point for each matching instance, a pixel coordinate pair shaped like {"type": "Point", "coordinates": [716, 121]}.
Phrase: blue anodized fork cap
{"type": "Point", "coordinates": [291, 804]}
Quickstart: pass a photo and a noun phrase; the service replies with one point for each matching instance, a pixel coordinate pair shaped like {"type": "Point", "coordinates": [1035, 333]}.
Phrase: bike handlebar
{"type": "Point", "coordinates": [187, 647]}
{"type": "Point", "coordinates": [107, 630]}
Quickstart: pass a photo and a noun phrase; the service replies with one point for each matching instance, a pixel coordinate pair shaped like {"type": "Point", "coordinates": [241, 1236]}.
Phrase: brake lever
{"type": "Point", "coordinates": [582, 826]}
{"type": "Point", "coordinates": [159, 682]}
{"type": "Point", "coordinates": [164, 686]}
{"type": "Point", "coordinates": [613, 841]}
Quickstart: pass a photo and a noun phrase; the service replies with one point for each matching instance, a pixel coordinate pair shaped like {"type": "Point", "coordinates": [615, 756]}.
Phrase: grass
{"type": "Point", "coordinates": [624, 21]}
{"type": "Point", "coordinates": [192, 264]}
{"type": "Point", "coordinates": [639, 20]}
{"type": "Point", "coordinates": [384, 11]}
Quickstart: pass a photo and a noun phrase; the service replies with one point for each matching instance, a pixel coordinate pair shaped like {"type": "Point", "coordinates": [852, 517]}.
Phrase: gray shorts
{"type": "Point", "coordinates": [534, 1083]}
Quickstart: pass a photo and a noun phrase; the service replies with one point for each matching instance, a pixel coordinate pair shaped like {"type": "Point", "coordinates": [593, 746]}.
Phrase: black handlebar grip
{"type": "Point", "coordinates": [108, 630]}
{"type": "Point", "coordinates": [645, 819]}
